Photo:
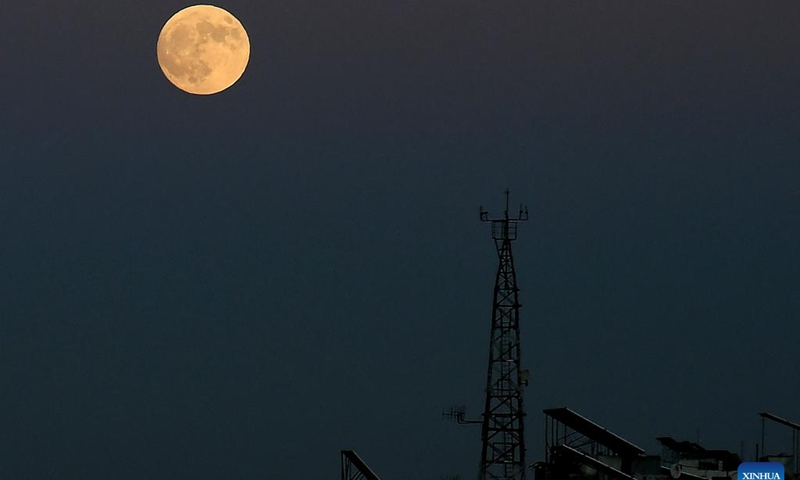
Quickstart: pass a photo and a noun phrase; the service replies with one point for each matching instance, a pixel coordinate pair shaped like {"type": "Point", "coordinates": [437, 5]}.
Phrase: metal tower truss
{"type": "Point", "coordinates": [502, 433]}
{"type": "Point", "coordinates": [353, 468]}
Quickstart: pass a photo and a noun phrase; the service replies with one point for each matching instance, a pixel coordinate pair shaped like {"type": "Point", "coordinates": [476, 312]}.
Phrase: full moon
{"type": "Point", "coordinates": [203, 49]}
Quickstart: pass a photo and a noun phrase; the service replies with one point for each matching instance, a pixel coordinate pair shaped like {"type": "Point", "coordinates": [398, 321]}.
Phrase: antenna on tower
{"type": "Point", "coordinates": [458, 414]}
{"type": "Point", "coordinates": [505, 227]}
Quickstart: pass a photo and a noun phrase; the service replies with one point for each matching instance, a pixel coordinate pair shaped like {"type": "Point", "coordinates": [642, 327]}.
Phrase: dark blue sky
{"type": "Point", "coordinates": [239, 286]}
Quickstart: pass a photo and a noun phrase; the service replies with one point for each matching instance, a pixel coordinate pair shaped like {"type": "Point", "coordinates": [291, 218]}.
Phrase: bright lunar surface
{"type": "Point", "coordinates": [203, 49]}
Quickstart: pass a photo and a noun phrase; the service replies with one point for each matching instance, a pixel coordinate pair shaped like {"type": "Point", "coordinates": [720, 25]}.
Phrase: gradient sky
{"type": "Point", "coordinates": [239, 286]}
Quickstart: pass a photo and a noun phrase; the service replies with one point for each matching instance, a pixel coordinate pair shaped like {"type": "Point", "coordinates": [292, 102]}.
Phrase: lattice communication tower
{"type": "Point", "coordinates": [502, 432]}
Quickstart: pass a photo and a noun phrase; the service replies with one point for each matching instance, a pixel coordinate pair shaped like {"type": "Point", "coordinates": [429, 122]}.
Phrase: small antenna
{"type": "Point", "coordinates": [457, 413]}
{"type": "Point", "coordinates": [521, 217]}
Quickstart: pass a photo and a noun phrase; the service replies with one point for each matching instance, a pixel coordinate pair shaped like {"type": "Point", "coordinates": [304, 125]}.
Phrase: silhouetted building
{"type": "Point", "coordinates": [693, 459]}
{"type": "Point", "coordinates": [577, 448]}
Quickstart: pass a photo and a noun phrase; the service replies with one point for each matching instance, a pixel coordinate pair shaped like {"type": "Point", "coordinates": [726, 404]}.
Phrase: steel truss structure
{"type": "Point", "coordinates": [502, 426]}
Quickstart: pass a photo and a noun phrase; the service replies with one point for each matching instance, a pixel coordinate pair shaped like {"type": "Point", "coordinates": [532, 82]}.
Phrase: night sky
{"type": "Point", "coordinates": [239, 286]}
